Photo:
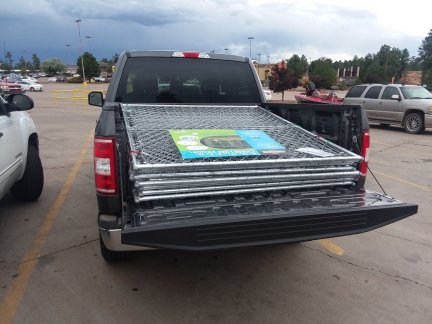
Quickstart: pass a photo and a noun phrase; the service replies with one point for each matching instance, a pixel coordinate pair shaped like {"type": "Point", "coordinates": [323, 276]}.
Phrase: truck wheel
{"type": "Point", "coordinates": [32, 89]}
{"type": "Point", "coordinates": [30, 187]}
{"type": "Point", "coordinates": [413, 123]}
{"type": "Point", "coordinates": [109, 255]}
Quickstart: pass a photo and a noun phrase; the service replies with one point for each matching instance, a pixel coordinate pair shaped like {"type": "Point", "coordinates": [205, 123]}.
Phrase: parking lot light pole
{"type": "Point", "coordinates": [82, 56]}
{"type": "Point", "coordinates": [250, 47]}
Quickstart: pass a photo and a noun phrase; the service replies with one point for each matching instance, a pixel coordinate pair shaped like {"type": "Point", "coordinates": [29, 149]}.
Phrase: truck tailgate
{"type": "Point", "coordinates": [260, 218]}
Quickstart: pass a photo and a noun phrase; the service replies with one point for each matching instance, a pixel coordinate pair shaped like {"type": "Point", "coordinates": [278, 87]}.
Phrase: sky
{"type": "Point", "coordinates": [333, 29]}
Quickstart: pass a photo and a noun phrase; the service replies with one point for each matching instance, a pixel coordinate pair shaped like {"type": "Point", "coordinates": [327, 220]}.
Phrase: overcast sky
{"type": "Point", "coordinates": [334, 29]}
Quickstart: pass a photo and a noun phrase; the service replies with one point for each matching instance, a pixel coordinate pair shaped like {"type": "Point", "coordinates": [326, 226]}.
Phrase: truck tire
{"type": "Point", "coordinates": [413, 123]}
{"type": "Point", "coordinates": [30, 187]}
{"type": "Point", "coordinates": [109, 255]}
{"type": "Point", "coordinates": [32, 89]}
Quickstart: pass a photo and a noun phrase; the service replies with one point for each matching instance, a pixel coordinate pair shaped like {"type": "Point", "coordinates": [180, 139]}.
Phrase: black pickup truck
{"type": "Point", "coordinates": [152, 194]}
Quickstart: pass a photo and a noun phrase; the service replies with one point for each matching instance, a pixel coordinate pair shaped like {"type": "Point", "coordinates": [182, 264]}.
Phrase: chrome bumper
{"type": "Point", "coordinates": [112, 240]}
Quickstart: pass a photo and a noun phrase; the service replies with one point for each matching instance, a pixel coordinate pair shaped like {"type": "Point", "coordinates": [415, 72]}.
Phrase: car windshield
{"type": "Point", "coordinates": [416, 93]}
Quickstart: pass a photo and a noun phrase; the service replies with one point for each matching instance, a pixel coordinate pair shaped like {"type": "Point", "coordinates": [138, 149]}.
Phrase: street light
{"type": "Point", "coordinates": [250, 46]}
{"type": "Point", "coordinates": [82, 58]}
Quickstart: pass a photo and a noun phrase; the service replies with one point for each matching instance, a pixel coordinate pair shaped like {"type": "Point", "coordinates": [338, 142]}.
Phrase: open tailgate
{"type": "Point", "coordinates": [260, 219]}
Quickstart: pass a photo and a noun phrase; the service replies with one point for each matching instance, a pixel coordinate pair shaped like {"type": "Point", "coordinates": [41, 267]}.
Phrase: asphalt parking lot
{"type": "Point", "coordinates": [51, 270]}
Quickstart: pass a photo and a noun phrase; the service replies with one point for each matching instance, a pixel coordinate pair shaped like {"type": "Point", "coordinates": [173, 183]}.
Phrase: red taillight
{"type": "Point", "coordinates": [104, 165]}
{"type": "Point", "coordinates": [365, 151]}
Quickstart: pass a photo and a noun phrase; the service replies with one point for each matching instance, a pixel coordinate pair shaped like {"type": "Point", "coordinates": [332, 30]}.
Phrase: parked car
{"type": "Point", "coordinates": [61, 78]}
{"type": "Point", "coordinates": [52, 79]}
{"type": "Point", "coordinates": [10, 88]}
{"type": "Point", "coordinates": [29, 79]}
{"type": "Point", "coordinates": [20, 166]}
{"type": "Point", "coordinates": [30, 86]}
{"type": "Point", "coordinates": [99, 79]}
{"type": "Point", "coordinates": [267, 94]}
{"type": "Point", "coordinates": [394, 104]}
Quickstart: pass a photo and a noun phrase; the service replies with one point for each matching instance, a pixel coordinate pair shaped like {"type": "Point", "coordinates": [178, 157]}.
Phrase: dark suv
{"type": "Point", "coordinates": [398, 104]}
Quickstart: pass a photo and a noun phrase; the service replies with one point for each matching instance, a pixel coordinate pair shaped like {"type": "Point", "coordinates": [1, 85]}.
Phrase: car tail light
{"type": "Point", "coordinates": [190, 55]}
{"type": "Point", "coordinates": [104, 165]}
{"type": "Point", "coordinates": [364, 150]}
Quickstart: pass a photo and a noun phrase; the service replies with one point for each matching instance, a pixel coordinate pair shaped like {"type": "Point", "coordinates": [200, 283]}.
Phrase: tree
{"type": "Point", "coordinates": [282, 78]}
{"type": "Point", "coordinates": [322, 73]}
{"type": "Point", "coordinates": [414, 64]}
{"type": "Point", "coordinates": [91, 66]}
{"type": "Point", "coordinates": [9, 60]}
{"type": "Point", "coordinates": [53, 66]}
{"type": "Point", "coordinates": [22, 65]}
{"type": "Point", "coordinates": [374, 74]}
{"type": "Point", "coordinates": [425, 55]}
{"type": "Point", "coordinates": [299, 66]}
{"type": "Point", "coordinates": [36, 62]}
{"type": "Point", "coordinates": [404, 61]}
{"type": "Point", "coordinates": [115, 58]}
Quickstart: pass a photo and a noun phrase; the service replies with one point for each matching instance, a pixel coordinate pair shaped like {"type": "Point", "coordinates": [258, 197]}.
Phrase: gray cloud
{"type": "Point", "coordinates": [279, 28]}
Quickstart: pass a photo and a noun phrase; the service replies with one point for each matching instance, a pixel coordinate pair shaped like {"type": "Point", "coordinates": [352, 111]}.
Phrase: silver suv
{"type": "Point", "coordinates": [398, 104]}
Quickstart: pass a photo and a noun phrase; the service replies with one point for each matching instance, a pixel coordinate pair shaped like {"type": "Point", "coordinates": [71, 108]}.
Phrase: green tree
{"type": "Point", "coordinates": [282, 78]}
{"type": "Point", "coordinates": [91, 66]}
{"type": "Point", "coordinates": [404, 61]}
{"type": "Point", "coordinates": [22, 65]}
{"type": "Point", "coordinates": [414, 64]}
{"type": "Point", "coordinates": [322, 73]}
{"type": "Point", "coordinates": [425, 55]}
{"type": "Point", "coordinates": [9, 60]}
{"type": "Point", "coordinates": [115, 58]}
{"type": "Point", "coordinates": [299, 66]}
{"type": "Point", "coordinates": [53, 66]}
{"type": "Point", "coordinates": [36, 63]}
{"type": "Point", "coordinates": [374, 73]}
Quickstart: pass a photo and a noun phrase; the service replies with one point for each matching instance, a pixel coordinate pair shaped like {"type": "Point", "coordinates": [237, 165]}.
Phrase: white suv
{"type": "Point", "coordinates": [20, 166]}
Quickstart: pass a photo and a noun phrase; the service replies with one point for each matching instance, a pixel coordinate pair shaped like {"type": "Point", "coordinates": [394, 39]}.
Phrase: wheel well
{"type": "Point", "coordinates": [34, 141]}
{"type": "Point", "coordinates": [421, 113]}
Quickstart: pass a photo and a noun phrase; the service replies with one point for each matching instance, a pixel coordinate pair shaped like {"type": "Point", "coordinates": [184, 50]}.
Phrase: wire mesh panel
{"type": "Point", "coordinates": [159, 170]}
{"type": "Point", "coordinates": [153, 148]}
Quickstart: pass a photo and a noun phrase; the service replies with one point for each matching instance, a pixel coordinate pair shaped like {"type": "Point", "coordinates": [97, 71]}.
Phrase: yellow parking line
{"type": "Point", "coordinates": [403, 181]}
{"type": "Point", "coordinates": [13, 297]}
{"type": "Point", "coordinates": [332, 247]}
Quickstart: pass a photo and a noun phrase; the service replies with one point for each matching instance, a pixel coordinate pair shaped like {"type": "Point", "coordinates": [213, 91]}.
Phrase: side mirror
{"type": "Point", "coordinates": [396, 97]}
{"type": "Point", "coordinates": [20, 101]}
{"type": "Point", "coordinates": [95, 98]}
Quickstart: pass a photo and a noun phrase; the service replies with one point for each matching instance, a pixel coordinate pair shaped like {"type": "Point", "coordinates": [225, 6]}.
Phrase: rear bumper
{"type": "Point", "coordinates": [274, 222]}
